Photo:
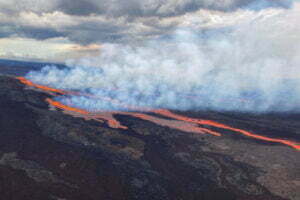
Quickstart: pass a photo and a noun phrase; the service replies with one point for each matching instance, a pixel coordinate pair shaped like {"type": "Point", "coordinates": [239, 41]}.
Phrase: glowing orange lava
{"type": "Point", "coordinates": [110, 121]}
{"type": "Point", "coordinates": [176, 124]}
{"type": "Point", "coordinates": [64, 107]}
{"type": "Point", "coordinates": [45, 88]}
{"type": "Point", "coordinates": [223, 126]}
{"type": "Point", "coordinates": [179, 122]}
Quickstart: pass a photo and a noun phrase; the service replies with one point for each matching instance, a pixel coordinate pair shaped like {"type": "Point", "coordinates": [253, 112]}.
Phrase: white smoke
{"type": "Point", "coordinates": [252, 66]}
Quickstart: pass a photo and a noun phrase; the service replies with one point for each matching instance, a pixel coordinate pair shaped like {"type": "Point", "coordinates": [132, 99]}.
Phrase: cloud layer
{"type": "Point", "coordinates": [90, 21]}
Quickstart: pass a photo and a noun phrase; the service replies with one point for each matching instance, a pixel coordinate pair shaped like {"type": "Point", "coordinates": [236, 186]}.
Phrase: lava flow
{"type": "Point", "coordinates": [113, 123]}
{"type": "Point", "coordinates": [176, 121]}
{"type": "Point", "coordinates": [41, 87]}
{"type": "Point", "coordinates": [101, 118]}
{"type": "Point", "coordinates": [223, 126]}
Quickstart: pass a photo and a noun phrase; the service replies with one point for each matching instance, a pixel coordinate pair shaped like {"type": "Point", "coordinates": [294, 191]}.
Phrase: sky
{"type": "Point", "coordinates": [58, 30]}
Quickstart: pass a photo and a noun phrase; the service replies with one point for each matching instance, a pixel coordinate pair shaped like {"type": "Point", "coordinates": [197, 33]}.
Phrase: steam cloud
{"type": "Point", "coordinates": [252, 66]}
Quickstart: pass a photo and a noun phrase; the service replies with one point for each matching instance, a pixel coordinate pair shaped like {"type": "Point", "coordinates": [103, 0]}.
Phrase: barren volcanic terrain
{"type": "Point", "coordinates": [49, 151]}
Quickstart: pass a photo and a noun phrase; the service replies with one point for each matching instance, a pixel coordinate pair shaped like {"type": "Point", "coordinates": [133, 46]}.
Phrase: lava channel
{"type": "Point", "coordinates": [176, 121]}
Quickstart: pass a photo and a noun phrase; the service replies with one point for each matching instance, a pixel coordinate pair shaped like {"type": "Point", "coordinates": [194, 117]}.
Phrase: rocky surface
{"type": "Point", "coordinates": [47, 154]}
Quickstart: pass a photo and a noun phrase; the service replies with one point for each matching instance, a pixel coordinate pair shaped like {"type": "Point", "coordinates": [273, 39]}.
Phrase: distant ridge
{"type": "Point", "coordinates": [20, 68]}
{"type": "Point", "coordinates": [9, 62]}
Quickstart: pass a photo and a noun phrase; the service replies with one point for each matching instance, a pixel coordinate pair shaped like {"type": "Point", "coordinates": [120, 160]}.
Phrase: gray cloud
{"type": "Point", "coordinates": [89, 32]}
{"type": "Point", "coordinates": [82, 30]}
{"type": "Point", "coordinates": [120, 20]}
{"type": "Point", "coordinates": [81, 7]}
{"type": "Point", "coordinates": [28, 31]}
{"type": "Point", "coordinates": [13, 7]}
{"type": "Point", "coordinates": [38, 33]}
{"type": "Point", "coordinates": [5, 31]}
{"type": "Point", "coordinates": [117, 8]}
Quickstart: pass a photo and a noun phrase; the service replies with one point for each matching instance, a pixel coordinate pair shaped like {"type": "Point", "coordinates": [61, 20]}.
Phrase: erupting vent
{"type": "Point", "coordinates": [175, 121]}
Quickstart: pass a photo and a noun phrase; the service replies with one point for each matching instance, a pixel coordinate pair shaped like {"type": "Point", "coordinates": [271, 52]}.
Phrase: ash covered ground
{"type": "Point", "coordinates": [47, 154]}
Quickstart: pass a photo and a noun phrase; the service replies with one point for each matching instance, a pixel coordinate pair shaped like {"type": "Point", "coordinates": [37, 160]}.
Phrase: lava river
{"type": "Point", "coordinates": [174, 121]}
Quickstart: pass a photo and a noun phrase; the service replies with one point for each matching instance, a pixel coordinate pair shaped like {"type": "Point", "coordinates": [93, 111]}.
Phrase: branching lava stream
{"type": "Point", "coordinates": [176, 121]}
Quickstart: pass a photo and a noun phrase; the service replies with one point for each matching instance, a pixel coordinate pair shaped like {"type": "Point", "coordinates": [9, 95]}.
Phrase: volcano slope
{"type": "Point", "coordinates": [47, 153]}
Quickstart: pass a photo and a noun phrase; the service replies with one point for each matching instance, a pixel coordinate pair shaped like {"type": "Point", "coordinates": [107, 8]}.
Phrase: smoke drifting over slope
{"type": "Point", "coordinates": [252, 66]}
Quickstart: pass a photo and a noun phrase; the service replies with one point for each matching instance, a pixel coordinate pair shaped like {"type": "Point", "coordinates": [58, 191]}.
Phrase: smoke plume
{"type": "Point", "coordinates": [251, 66]}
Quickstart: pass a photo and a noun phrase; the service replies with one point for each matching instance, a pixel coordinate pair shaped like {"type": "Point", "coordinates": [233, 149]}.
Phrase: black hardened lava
{"type": "Point", "coordinates": [46, 154]}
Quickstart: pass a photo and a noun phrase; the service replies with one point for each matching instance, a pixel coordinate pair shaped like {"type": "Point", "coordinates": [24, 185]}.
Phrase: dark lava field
{"type": "Point", "coordinates": [46, 154]}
